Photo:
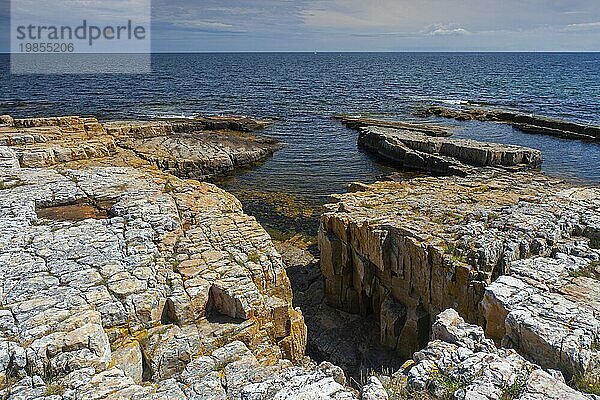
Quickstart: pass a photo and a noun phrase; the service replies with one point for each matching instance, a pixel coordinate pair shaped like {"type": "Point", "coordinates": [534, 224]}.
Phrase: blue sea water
{"type": "Point", "coordinates": [303, 91]}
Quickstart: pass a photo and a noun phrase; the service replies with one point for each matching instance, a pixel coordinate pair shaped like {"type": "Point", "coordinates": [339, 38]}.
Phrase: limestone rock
{"type": "Point", "coordinates": [199, 148]}
{"type": "Point", "coordinates": [107, 265]}
{"type": "Point", "coordinates": [416, 150]}
{"type": "Point", "coordinates": [430, 130]}
{"type": "Point", "coordinates": [468, 367]}
{"type": "Point", "coordinates": [541, 385]}
{"type": "Point", "coordinates": [406, 251]}
{"type": "Point", "coordinates": [549, 313]}
{"type": "Point", "coordinates": [128, 358]}
{"type": "Point", "coordinates": [297, 384]}
{"type": "Point", "coordinates": [373, 390]}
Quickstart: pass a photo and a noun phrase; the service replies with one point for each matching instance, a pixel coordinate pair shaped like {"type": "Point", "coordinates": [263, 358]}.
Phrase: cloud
{"type": "Point", "coordinates": [59, 12]}
{"type": "Point", "coordinates": [587, 26]}
{"type": "Point", "coordinates": [445, 30]}
{"type": "Point", "coordinates": [238, 25]}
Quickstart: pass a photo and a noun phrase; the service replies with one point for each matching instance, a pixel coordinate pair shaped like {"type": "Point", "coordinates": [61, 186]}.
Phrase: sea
{"type": "Point", "coordinates": [302, 92]}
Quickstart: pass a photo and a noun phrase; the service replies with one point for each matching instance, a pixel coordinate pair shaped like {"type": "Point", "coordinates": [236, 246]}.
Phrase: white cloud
{"type": "Point", "coordinates": [445, 30]}
{"type": "Point", "coordinates": [587, 26]}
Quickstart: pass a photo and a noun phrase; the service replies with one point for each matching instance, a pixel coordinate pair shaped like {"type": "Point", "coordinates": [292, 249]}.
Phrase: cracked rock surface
{"type": "Point", "coordinates": [121, 281]}
{"type": "Point", "coordinates": [516, 253]}
{"type": "Point", "coordinates": [199, 149]}
{"type": "Point", "coordinates": [460, 363]}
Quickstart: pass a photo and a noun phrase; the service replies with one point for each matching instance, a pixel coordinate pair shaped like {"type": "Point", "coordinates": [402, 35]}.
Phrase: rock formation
{"type": "Point", "coordinates": [426, 129]}
{"type": "Point", "coordinates": [514, 252]}
{"type": "Point", "coordinates": [524, 122]}
{"type": "Point", "coordinates": [460, 363]}
{"type": "Point", "coordinates": [429, 148]}
{"type": "Point", "coordinates": [346, 340]}
{"type": "Point", "coordinates": [415, 150]}
{"type": "Point", "coordinates": [196, 149]}
{"type": "Point", "coordinates": [119, 280]}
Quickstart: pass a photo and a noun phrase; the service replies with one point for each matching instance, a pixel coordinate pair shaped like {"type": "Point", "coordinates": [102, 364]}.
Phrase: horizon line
{"type": "Point", "coordinates": [318, 52]}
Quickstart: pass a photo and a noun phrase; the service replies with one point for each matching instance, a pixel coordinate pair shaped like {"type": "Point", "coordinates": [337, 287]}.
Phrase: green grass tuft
{"type": "Point", "coordinates": [54, 389]}
{"type": "Point", "coordinates": [448, 383]}
{"type": "Point", "coordinates": [514, 390]}
{"type": "Point", "coordinates": [254, 257]}
{"type": "Point", "coordinates": [587, 383]}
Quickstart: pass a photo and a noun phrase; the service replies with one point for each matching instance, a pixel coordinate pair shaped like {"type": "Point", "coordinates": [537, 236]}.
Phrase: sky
{"type": "Point", "coordinates": [366, 25]}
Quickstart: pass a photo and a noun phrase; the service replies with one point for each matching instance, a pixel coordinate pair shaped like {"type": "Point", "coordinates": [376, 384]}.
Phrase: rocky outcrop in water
{"type": "Point", "coordinates": [415, 150]}
{"type": "Point", "coordinates": [426, 129]}
{"type": "Point", "coordinates": [524, 122]}
{"type": "Point", "coordinates": [199, 149]}
{"type": "Point", "coordinates": [516, 253]}
{"type": "Point", "coordinates": [119, 280]}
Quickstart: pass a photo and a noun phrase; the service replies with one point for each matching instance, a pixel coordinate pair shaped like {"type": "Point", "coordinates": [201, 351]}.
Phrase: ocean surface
{"type": "Point", "coordinates": [303, 91]}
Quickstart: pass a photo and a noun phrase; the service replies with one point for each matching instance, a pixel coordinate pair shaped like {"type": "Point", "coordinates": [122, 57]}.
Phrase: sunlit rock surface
{"type": "Point", "coordinates": [417, 150]}
{"type": "Point", "coordinates": [121, 281]}
{"type": "Point", "coordinates": [514, 252]}
{"type": "Point", "coordinates": [460, 363]}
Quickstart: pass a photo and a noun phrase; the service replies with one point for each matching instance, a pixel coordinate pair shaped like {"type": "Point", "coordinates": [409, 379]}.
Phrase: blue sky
{"type": "Point", "coordinates": [371, 25]}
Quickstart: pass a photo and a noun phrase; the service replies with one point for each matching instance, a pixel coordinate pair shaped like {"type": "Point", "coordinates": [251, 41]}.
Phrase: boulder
{"type": "Point", "coordinates": [373, 390]}
{"type": "Point", "coordinates": [468, 367]}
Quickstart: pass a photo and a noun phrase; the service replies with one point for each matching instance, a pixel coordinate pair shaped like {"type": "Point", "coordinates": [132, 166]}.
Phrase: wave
{"type": "Point", "coordinates": [170, 116]}
{"type": "Point", "coordinates": [453, 102]}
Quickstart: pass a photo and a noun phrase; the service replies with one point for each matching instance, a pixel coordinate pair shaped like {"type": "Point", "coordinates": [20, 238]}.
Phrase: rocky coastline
{"type": "Point", "coordinates": [124, 275]}
{"type": "Point", "coordinates": [122, 281]}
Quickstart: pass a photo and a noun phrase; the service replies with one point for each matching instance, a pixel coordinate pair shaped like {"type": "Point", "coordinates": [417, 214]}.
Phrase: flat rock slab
{"type": "Point", "coordinates": [202, 155]}
{"type": "Point", "coordinates": [427, 129]}
{"type": "Point", "coordinates": [197, 148]}
{"type": "Point", "coordinates": [549, 310]}
{"type": "Point", "coordinates": [416, 150]}
{"type": "Point", "coordinates": [526, 122]}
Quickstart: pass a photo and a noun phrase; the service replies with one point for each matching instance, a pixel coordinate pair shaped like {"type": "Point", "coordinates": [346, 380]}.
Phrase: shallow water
{"type": "Point", "coordinates": [303, 92]}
